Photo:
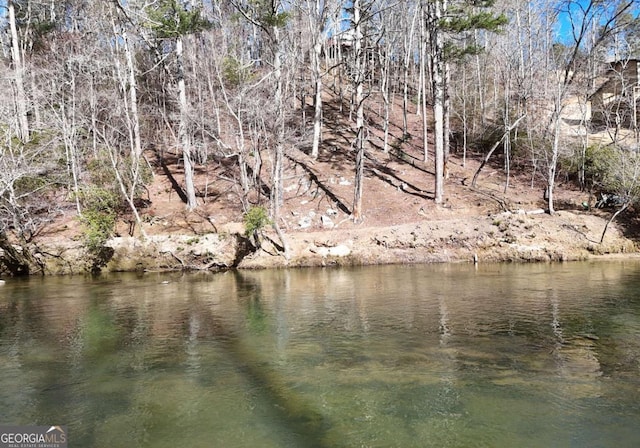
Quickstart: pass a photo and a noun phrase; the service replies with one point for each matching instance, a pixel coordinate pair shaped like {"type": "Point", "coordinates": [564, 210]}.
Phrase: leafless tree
{"type": "Point", "coordinates": [570, 64]}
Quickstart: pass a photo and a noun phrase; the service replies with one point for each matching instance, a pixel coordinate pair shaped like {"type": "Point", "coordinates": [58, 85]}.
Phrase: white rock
{"type": "Point", "coordinates": [326, 222]}
{"type": "Point", "coordinates": [305, 222]}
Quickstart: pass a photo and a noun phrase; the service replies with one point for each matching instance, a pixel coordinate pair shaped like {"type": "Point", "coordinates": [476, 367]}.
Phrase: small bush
{"type": "Point", "coordinates": [600, 166]}
{"type": "Point", "coordinates": [99, 219]}
{"type": "Point", "coordinates": [599, 162]}
{"type": "Point", "coordinates": [255, 220]}
{"type": "Point", "coordinates": [234, 73]}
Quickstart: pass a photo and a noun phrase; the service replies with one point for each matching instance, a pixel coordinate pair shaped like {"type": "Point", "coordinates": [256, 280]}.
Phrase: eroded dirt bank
{"type": "Point", "coordinates": [520, 236]}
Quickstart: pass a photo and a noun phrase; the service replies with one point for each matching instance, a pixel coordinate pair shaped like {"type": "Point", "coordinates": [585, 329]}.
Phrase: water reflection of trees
{"type": "Point", "coordinates": [308, 341]}
{"type": "Point", "coordinates": [527, 322]}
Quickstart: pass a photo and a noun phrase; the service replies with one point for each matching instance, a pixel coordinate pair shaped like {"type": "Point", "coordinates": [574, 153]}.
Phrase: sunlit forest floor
{"type": "Point", "coordinates": [500, 219]}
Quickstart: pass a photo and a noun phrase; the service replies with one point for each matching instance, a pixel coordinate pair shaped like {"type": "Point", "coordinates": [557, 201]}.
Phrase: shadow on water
{"type": "Point", "coordinates": [387, 356]}
{"type": "Point", "coordinates": [102, 388]}
{"type": "Point", "coordinates": [307, 424]}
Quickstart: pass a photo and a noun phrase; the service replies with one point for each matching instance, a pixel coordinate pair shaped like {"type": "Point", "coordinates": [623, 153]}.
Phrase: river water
{"type": "Point", "coordinates": [544, 355]}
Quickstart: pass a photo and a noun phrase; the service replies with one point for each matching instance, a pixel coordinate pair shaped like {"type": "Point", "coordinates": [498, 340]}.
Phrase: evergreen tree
{"type": "Point", "coordinates": [446, 23]}
{"type": "Point", "coordinates": [173, 20]}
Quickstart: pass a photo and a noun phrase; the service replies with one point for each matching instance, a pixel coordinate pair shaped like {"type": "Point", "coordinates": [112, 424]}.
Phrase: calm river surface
{"type": "Point", "coordinates": [405, 356]}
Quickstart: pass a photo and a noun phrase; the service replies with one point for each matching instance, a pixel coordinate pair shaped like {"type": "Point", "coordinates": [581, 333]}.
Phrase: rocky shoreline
{"type": "Point", "coordinates": [506, 237]}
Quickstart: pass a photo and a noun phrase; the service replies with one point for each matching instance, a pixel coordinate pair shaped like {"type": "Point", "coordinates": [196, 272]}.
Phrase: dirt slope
{"type": "Point", "coordinates": [401, 222]}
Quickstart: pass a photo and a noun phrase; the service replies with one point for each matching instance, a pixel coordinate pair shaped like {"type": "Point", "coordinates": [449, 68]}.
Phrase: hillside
{"type": "Point", "coordinates": [401, 224]}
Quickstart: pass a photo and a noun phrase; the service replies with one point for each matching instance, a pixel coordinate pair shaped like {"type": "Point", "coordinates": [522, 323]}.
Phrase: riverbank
{"type": "Point", "coordinates": [401, 224]}
{"type": "Point", "coordinates": [487, 213]}
{"type": "Point", "coordinates": [519, 236]}
{"type": "Point", "coordinates": [505, 237]}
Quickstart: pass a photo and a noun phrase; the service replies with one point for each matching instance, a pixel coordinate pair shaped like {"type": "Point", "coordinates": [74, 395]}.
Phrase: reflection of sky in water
{"type": "Point", "coordinates": [451, 355]}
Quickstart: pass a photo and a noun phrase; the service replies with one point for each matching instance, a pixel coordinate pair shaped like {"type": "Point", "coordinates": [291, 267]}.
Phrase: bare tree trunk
{"type": "Point", "coordinates": [479, 78]}
{"type": "Point", "coordinates": [242, 162]}
{"type": "Point", "coordinates": [317, 13]}
{"type": "Point", "coordinates": [240, 139]}
{"type": "Point", "coordinates": [69, 134]}
{"type": "Point", "coordinates": [133, 97]}
{"type": "Point", "coordinates": [506, 145]}
{"type": "Point", "coordinates": [423, 82]}
{"type": "Point", "coordinates": [183, 134]}
{"type": "Point", "coordinates": [465, 124]}
{"type": "Point", "coordinates": [446, 130]}
{"type": "Point", "coordinates": [128, 81]}
{"type": "Point", "coordinates": [553, 164]}
{"type": "Point", "coordinates": [317, 104]}
{"type": "Point", "coordinates": [385, 75]}
{"type": "Point", "coordinates": [128, 196]}
{"type": "Point", "coordinates": [493, 148]}
{"type": "Point", "coordinates": [35, 107]}
{"type": "Point", "coordinates": [277, 190]}
{"type": "Point", "coordinates": [437, 69]}
{"type": "Point", "coordinates": [387, 103]}
{"type": "Point", "coordinates": [359, 100]}
{"type": "Point", "coordinates": [340, 71]}
{"type": "Point", "coordinates": [19, 96]}
{"type": "Point", "coordinates": [405, 70]}
{"type": "Point", "coordinates": [613, 217]}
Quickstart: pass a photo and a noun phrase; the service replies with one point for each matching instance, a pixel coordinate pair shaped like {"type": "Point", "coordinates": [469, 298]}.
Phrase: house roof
{"type": "Point", "coordinates": [612, 60]}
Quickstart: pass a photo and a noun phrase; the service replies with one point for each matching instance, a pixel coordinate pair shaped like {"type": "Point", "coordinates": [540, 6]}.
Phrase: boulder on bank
{"type": "Point", "coordinates": [173, 252]}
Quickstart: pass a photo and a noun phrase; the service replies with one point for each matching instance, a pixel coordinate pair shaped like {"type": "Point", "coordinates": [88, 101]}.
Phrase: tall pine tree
{"type": "Point", "coordinates": [172, 21]}
{"type": "Point", "coordinates": [445, 21]}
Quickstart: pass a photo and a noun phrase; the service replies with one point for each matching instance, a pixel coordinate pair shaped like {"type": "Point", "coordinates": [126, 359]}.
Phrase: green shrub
{"type": "Point", "coordinates": [99, 213]}
{"type": "Point", "coordinates": [599, 162]}
{"type": "Point", "coordinates": [234, 73]}
{"type": "Point", "coordinates": [99, 227]}
{"type": "Point", "coordinates": [255, 220]}
{"type": "Point", "coordinates": [599, 166]}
